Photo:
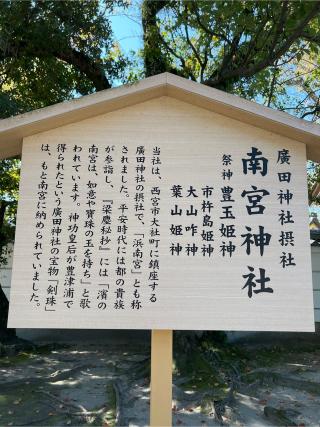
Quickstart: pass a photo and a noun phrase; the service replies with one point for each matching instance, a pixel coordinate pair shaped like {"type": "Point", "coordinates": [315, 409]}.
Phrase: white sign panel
{"type": "Point", "coordinates": [174, 233]}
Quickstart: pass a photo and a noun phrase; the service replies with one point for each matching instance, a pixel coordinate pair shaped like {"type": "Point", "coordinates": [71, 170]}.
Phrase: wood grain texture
{"type": "Point", "coordinates": [14, 129]}
{"type": "Point", "coordinates": [194, 292]}
{"type": "Point", "coordinates": [161, 378]}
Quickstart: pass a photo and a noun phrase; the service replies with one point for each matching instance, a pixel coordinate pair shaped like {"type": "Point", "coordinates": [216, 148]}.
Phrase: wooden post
{"type": "Point", "coordinates": [161, 378]}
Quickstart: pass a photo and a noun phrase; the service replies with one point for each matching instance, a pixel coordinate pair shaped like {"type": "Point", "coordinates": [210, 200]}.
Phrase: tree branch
{"type": "Point", "coordinates": [91, 69]}
{"type": "Point", "coordinates": [207, 30]}
{"type": "Point", "coordinates": [312, 112]}
{"type": "Point", "coordinates": [272, 86]}
{"type": "Point", "coordinates": [80, 61]}
{"type": "Point", "coordinates": [194, 50]}
{"type": "Point", "coordinates": [311, 37]}
{"type": "Point", "coordinates": [272, 54]}
{"type": "Point", "coordinates": [154, 60]}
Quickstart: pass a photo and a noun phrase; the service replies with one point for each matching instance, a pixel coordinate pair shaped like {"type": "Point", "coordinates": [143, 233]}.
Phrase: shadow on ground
{"type": "Point", "coordinates": [101, 378]}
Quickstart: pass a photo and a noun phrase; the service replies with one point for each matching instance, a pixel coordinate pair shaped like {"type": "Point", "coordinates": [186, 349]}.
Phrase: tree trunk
{"type": "Point", "coordinates": [5, 333]}
{"type": "Point", "coordinates": [154, 59]}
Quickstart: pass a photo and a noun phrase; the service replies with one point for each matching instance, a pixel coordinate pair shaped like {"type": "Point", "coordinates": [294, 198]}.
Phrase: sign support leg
{"type": "Point", "coordinates": [161, 378]}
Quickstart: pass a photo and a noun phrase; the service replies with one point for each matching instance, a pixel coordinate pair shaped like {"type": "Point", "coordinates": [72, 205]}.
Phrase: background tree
{"type": "Point", "coordinates": [264, 51]}
{"type": "Point", "coordinates": [258, 50]}
{"type": "Point", "coordinates": [51, 51]}
{"type": "Point", "coordinates": [9, 186]}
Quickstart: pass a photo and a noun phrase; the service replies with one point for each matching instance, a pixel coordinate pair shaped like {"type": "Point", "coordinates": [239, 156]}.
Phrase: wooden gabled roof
{"type": "Point", "coordinates": [14, 129]}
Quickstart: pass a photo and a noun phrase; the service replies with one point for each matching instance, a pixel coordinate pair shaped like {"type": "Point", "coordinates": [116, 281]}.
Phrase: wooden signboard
{"type": "Point", "coordinates": [162, 215]}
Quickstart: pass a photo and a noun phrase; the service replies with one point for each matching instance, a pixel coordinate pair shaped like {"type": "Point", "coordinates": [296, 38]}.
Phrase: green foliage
{"type": "Point", "coordinates": [51, 51]}
{"type": "Point", "coordinates": [9, 179]}
{"type": "Point", "coordinates": [238, 46]}
{"type": "Point", "coordinates": [313, 181]}
{"type": "Point", "coordinates": [9, 187]}
{"type": "Point", "coordinates": [264, 51]}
